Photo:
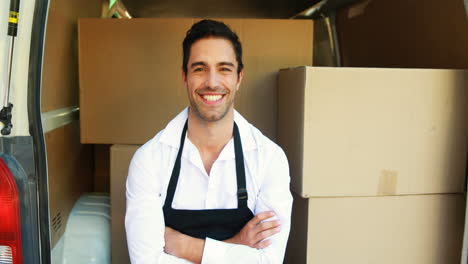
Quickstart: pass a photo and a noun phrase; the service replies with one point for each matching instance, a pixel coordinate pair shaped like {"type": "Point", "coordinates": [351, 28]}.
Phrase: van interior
{"type": "Point", "coordinates": [395, 34]}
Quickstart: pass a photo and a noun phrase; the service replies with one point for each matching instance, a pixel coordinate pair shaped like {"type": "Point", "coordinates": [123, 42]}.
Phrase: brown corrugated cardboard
{"type": "Point", "coordinates": [402, 33]}
{"type": "Point", "coordinates": [365, 132]}
{"type": "Point", "coordinates": [130, 73]}
{"type": "Point", "coordinates": [121, 156]}
{"type": "Point", "coordinates": [411, 229]}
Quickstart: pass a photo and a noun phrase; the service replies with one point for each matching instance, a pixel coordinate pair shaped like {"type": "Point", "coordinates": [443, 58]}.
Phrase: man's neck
{"type": "Point", "coordinates": [210, 137]}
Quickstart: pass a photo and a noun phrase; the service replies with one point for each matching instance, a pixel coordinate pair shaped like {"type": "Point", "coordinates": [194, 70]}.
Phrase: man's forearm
{"type": "Point", "coordinates": [253, 235]}
{"type": "Point", "coordinates": [183, 246]}
{"type": "Point", "coordinates": [194, 249]}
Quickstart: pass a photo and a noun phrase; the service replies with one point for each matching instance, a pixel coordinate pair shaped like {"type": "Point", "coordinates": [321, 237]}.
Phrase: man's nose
{"type": "Point", "coordinates": [212, 80]}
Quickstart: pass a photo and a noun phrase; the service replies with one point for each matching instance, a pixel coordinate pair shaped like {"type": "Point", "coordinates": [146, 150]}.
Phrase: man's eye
{"type": "Point", "coordinates": [225, 69]}
{"type": "Point", "coordinates": [198, 69]}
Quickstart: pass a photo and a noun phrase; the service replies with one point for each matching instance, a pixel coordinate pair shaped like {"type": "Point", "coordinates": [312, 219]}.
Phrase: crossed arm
{"type": "Point", "coordinates": [150, 242]}
{"type": "Point", "coordinates": [253, 234]}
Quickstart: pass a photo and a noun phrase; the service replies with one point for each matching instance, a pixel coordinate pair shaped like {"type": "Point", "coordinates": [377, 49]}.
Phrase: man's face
{"type": "Point", "coordinates": [211, 78]}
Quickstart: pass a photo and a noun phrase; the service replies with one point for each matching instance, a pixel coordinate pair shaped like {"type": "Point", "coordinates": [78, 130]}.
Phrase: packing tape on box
{"type": "Point", "coordinates": [388, 182]}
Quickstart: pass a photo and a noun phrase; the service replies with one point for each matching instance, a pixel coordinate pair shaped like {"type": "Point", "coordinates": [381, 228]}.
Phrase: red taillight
{"type": "Point", "coordinates": [10, 222]}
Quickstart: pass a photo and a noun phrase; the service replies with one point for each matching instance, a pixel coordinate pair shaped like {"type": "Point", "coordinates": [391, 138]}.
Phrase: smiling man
{"type": "Point", "coordinates": [210, 187]}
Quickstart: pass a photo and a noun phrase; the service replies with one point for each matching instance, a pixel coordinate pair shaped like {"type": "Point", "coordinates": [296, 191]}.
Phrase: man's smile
{"type": "Point", "coordinates": [212, 98]}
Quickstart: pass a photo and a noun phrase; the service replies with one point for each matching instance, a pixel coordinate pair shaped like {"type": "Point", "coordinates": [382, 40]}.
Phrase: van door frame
{"type": "Point", "coordinates": [35, 124]}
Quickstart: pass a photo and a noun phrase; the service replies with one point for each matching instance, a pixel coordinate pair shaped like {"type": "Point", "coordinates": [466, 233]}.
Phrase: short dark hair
{"type": "Point", "coordinates": [211, 28]}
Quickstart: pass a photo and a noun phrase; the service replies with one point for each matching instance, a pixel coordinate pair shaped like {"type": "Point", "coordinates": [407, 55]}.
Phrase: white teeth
{"type": "Point", "coordinates": [212, 98]}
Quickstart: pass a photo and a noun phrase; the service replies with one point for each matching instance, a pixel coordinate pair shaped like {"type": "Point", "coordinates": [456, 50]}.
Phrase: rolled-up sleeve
{"type": "Point", "coordinates": [274, 194]}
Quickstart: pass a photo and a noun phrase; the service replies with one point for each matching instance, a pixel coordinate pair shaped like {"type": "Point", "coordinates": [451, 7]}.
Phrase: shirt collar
{"type": "Point", "coordinates": [173, 131]}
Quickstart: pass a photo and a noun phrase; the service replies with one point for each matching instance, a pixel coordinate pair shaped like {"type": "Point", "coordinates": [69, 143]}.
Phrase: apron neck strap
{"type": "Point", "coordinates": [176, 170]}
{"type": "Point", "coordinates": [240, 170]}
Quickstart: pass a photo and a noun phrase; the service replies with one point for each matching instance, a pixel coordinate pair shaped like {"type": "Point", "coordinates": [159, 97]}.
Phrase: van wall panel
{"type": "Point", "coordinates": [60, 69]}
{"type": "Point", "coordinates": [69, 174]}
{"type": "Point", "coordinates": [69, 163]}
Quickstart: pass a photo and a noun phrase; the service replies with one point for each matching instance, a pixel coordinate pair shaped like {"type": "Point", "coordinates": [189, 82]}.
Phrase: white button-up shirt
{"type": "Point", "coordinates": [267, 179]}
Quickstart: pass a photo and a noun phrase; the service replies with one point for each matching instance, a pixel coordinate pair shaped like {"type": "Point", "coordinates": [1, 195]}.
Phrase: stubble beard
{"type": "Point", "coordinates": [211, 117]}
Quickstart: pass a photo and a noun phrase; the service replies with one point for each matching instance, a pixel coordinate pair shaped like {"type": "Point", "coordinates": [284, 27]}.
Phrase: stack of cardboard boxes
{"type": "Point", "coordinates": [377, 160]}
{"type": "Point", "coordinates": [131, 85]}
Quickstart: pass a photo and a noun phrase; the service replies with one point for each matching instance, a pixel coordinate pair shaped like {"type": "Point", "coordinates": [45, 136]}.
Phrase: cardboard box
{"type": "Point", "coordinates": [120, 157]}
{"type": "Point", "coordinates": [412, 229]}
{"type": "Point", "coordinates": [130, 73]}
{"type": "Point", "coordinates": [403, 34]}
{"type": "Point", "coordinates": [365, 132]}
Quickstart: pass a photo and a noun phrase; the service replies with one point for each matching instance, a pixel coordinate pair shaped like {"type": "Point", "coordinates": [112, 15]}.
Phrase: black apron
{"type": "Point", "coordinates": [219, 224]}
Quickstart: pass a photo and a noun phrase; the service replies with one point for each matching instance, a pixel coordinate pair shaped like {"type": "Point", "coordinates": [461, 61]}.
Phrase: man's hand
{"type": "Point", "coordinates": [254, 231]}
{"type": "Point", "coordinates": [183, 246]}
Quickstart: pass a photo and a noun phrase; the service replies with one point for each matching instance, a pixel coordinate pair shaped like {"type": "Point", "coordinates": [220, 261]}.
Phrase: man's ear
{"type": "Point", "coordinates": [184, 76]}
{"type": "Point", "coordinates": [239, 78]}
